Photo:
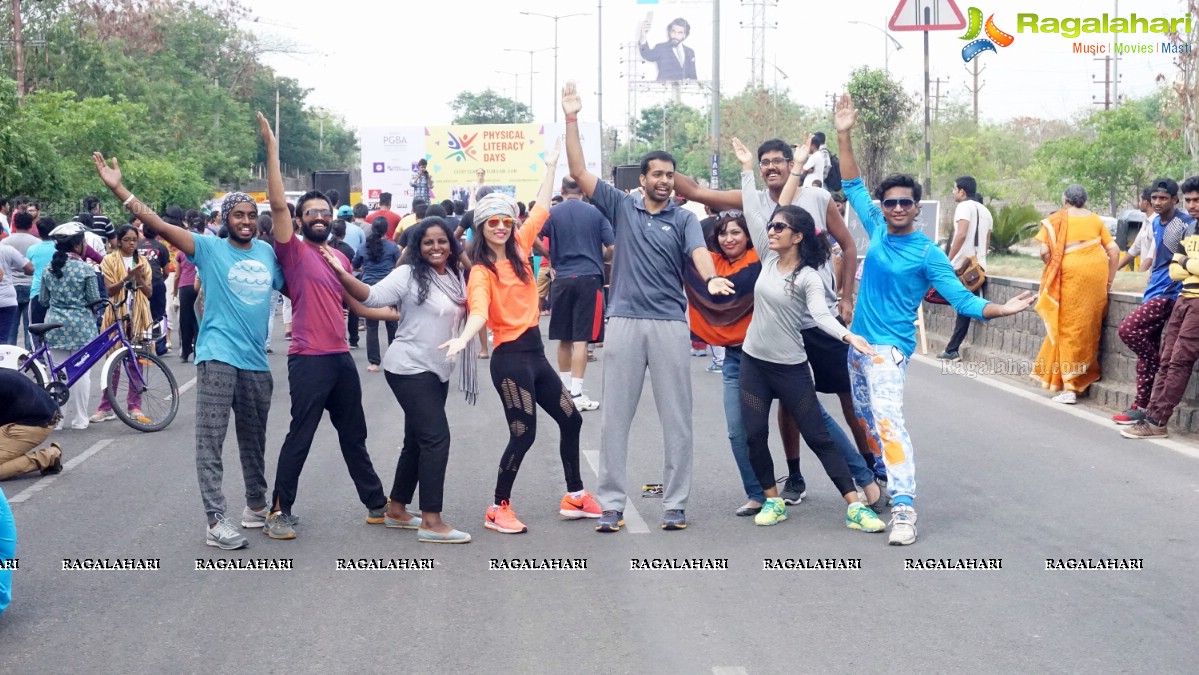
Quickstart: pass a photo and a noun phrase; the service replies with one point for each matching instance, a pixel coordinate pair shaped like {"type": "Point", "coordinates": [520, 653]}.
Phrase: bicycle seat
{"type": "Point", "coordinates": [40, 329]}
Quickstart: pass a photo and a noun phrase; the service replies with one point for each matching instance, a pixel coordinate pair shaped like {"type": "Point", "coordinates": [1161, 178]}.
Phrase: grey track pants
{"type": "Point", "coordinates": [631, 346]}
{"type": "Point", "coordinates": [220, 388]}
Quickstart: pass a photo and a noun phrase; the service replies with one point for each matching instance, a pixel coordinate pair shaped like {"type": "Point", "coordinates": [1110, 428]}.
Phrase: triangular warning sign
{"type": "Point", "coordinates": [927, 15]}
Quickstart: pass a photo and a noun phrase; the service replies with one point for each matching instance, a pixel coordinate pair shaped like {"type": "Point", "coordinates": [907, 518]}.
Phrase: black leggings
{"type": "Point", "coordinates": [188, 326]}
{"type": "Point", "coordinates": [761, 383]}
{"type": "Point", "coordinates": [522, 376]}
{"type": "Point", "coordinates": [426, 448]}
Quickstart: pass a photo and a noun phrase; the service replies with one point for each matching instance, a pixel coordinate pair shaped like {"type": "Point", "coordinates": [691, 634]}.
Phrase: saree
{"type": "Point", "coordinates": [1072, 303]}
{"type": "Point", "coordinates": [113, 270]}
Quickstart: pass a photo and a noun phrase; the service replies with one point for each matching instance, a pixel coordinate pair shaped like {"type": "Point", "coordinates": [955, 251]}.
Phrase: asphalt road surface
{"type": "Point", "coordinates": [1003, 475]}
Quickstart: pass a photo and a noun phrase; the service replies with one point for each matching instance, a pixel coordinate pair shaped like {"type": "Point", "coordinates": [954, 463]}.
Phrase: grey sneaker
{"type": "Point", "coordinates": [279, 526]}
{"type": "Point", "coordinates": [674, 519]}
{"type": "Point", "coordinates": [903, 526]}
{"type": "Point", "coordinates": [610, 521]}
{"type": "Point", "coordinates": [224, 535]}
{"type": "Point", "coordinates": [252, 519]}
{"type": "Point", "coordinates": [949, 356]}
{"type": "Point", "coordinates": [794, 490]}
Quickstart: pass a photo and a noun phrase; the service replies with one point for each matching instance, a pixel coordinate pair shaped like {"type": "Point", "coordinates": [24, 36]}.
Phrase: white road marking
{"type": "Point", "coordinates": [729, 670]}
{"type": "Point", "coordinates": [1079, 412]}
{"type": "Point", "coordinates": [187, 385]}
{"type": "Point", "coordinates": [45, 482]}
{"type": "Point", "coordinates": [633, 522]}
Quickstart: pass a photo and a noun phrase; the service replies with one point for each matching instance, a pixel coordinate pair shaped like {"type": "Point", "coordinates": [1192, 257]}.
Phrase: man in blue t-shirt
{"type": "Point", "coordinates": [900, 265]}
{"type": "Point", "coordinates": [647, 325]}
{"type": "Point", "coordinates": [1142, 329]}
{"type": "Point", "coordinates": [232, 371]}
{"type": "Point", "coordinates": [580, 236]}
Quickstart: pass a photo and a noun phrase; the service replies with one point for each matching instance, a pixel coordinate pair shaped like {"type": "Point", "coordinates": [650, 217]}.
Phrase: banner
{"type": "Point", "coordinates": [674, 39]}
{"type": "Point", "coordinates": [389, 155]}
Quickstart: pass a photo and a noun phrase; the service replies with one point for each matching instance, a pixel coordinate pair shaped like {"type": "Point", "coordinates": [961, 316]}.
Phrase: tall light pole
{"type": "Point", "coordinates": [530, 52]}
{"type": "Point", "coordinates": [556, 17]}
{"type": "Point", "coordinates": [886, 46]}
{"type": "Point", "coordinates": [515, 83]}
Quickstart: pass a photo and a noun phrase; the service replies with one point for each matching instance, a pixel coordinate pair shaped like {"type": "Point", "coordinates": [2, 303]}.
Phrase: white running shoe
{"type": "Point", "coordinates": [903, 526]}
{"type": "Point", "coordinates": [583, 402]}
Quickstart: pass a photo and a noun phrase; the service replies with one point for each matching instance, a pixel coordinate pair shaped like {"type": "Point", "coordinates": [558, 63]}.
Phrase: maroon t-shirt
{"type": "Point", "coordinates": [318, 325]}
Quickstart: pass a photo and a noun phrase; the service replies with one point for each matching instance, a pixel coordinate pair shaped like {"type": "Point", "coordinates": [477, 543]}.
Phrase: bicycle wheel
{"type": "Point", "coordinates": [156, 388]}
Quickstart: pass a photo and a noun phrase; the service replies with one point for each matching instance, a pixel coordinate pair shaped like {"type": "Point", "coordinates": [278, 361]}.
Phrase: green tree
{"type": "Point", "coordinates": [488, 107]}
{"type": "Point", "coordinates": [883, 111]}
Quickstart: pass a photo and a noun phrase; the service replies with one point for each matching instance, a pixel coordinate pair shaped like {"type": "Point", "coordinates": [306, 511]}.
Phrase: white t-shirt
{"type": "Point", "coordinates": [1144, 246]}
{"type": "Point", "coordinates": [975, 215]}
{"type": "Point", "coordinates": [818, 163]}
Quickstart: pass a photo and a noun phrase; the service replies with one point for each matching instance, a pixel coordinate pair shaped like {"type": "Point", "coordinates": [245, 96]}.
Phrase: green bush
{"type": "Point", "coordinates": [1012, 224]}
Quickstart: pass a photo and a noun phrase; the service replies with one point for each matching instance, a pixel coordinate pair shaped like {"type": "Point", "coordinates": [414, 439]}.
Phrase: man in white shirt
{"type": "Point", "coordinates": [816, 168]}
{"type": "Point", "coordinates": [1143, 245]}
{"type": "Point", "coordinates": [972, 224]}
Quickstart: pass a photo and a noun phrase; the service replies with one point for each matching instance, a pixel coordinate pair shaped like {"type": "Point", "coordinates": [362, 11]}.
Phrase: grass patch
{"type": "Point", "coordinates": [1030, 267]}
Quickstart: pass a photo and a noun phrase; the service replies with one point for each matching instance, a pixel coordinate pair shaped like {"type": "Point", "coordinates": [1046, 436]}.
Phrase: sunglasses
{"type": "Point", "coordinates": [734, 214]}
{"type": "Point", "coordinates": [902, 204]}
{"type": "Point", "coordinates": [318, 213]}
{"type": "Point", "coordinates": [778, 227]}
{"type": "Point", "coordinates": [496, 222]}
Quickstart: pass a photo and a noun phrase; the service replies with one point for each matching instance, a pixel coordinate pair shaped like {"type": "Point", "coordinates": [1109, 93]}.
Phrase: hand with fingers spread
{"type": "Point", "coordinates": [743, 155]}
{"type": "Point", "coordinates": [803, 152]}
{"type": "Point", "coordinates": [264, 128]}
{"type": "Point", "coordinates": [331, 259]}
{"type": "Point", "coordinates": [453, 347]}
{"type": "Point", "coordinates": [552, 155]}
{"type": "Point", "coordinates": [109, 173]}
{"type": "Point", "coordinates": [571, 105]}
{"type": "Point", "coordinates": [859, 343]}
{"type": "Point", "coordinates": [846, 116]}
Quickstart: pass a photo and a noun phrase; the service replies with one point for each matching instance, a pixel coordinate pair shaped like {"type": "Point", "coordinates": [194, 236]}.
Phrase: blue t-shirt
{"type": "Point", "coordinates": [8, 551]}
{"type": "Point", "coordinates": [896, 275]}
{"type": "Point", "coordinates": [1168, 240]}
{"type": "Point", "coordinates": [578, 233]}
{"type": "Point", "coordinates": [375, 271]}
{"type": "Point", "coordinates": [237, 287]}
{"type": "Point", "coordinates": [652, 254]}
{"type": "Point", "coordinates": [40, 254]}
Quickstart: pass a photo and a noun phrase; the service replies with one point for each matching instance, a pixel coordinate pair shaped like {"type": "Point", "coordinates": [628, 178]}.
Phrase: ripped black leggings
{"type": "Point", "coordinates": [522, 376]}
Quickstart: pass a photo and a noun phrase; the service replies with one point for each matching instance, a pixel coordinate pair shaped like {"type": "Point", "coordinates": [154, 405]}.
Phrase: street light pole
{"type": "Point", "coordinates": [515, 83]}
{"type": "Point", "coordinates": [556, 17]}
{"type": "Point", "coordinates": [886, 47]}
{"type": "Point", "coordinates": [530, 52]}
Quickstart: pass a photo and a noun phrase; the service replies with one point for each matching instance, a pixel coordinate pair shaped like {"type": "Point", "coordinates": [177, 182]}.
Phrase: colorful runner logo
{"type": "Point", "coordinates": [974, 28]}
{"type": "Point", "coordinates": [461, 147]}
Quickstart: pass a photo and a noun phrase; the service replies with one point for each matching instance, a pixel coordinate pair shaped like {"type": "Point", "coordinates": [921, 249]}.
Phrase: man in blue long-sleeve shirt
{"type": "Point", "coordinates": [901, 264]}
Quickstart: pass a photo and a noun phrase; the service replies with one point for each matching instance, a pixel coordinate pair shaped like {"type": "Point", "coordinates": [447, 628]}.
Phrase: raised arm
{"type": "Point", "coordinates": [791, 188]}
{"type": "Point", "coordinates": [275, 191]}
{"type": "Point", "coordinates": [110, 173]}
{"type": "Point", "coordinates": [720, 200]}
{"type": "Point", "coordinates": [571, 105]}
{"type": "Point", "coordinates": [753, 215]}
{"type": "Point", "coordinates": [844, 119]}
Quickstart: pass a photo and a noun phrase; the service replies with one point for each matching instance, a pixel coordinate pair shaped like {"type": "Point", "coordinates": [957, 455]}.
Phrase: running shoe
{"type": "Point", "coordinates": [582, 507]}
{"type": "Point", "coordinates": [794, 490]}
{"type": "Point", "coordinates": [610, 521]}
{"type": "Point", "coordinates": [903, 526]}
{"type": "Point", "coordinates": [1145, 429]}
{"type": "Point", "coordinates": [136, 415]}
{"type": "Point", "coordinates": [674, 519]}
{"type": "Point", "coordinates": [1130, 416]}
{"type": "Point", "coordinates": [279, 526]}
{"type": "Point", "coordinates": [224, 535]}
{"type": "Point", "coordinates": [1067, 397]}
{"type": "Point", "coordinates": [862, 517]}
{"type": "Point", "coordinates": [502, 519]}
{"type": "Point", "coordinates": [251, 518]}
{"type": "Point", "coordinates": [102, 416]}
{"type": "Point", "coordinates": [713, 368]}
{"type": "Point", "coordinates": [773, 512]}
{"type": "Point", "coordinates": [949, 356]}
{"type": "Point", "coordinates": [376, 516]}
{"type": "Point", "coordinates": [584, 402]}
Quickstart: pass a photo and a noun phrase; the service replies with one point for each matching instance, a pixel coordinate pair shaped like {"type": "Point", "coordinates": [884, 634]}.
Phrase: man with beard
{"type": "Point", "coordinates": [648, 321]}
{"type": "Point", "coordinates": [320, 370]}
{"type": "Point", "coordinates": [674, 61]}
{"type": "Point", "coordinates": [232, 372]}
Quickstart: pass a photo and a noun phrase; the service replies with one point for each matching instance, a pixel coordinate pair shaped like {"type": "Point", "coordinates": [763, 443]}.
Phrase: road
{"type": "Point", "coordinates": [1001, 476]}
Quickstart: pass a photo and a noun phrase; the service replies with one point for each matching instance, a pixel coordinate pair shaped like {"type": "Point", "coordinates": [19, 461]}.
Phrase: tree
{"type": "Point", "coordinates": [488, 108]}
{"type": "Point", "coordinates": [883, 110]}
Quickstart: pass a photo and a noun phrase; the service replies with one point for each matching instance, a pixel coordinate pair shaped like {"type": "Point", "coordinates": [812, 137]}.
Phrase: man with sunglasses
{"type": "Point", "coordinates": [900, 265]}
{"type": "Point", "coordinates": [647, 325]}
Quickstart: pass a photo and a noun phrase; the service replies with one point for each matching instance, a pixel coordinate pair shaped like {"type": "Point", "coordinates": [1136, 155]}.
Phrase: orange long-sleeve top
{"type": "Point", "coordinates": [510, 305]}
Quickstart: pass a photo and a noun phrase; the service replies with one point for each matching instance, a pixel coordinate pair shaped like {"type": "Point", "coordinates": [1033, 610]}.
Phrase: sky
{"type": "Point", "coordinates": [401, 63]}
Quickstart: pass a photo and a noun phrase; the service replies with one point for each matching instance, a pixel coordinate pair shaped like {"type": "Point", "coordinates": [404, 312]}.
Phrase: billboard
{"type": "Point", "coordinates": [667, 37]}
{"type": "Point", "coordinates": [511, 158]}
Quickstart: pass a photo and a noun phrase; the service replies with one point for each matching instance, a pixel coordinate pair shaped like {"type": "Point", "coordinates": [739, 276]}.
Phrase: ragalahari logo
{"type": "Point", "coordinates": [987, 44]}
{"type": "Point", "coordinates": [461, 147]}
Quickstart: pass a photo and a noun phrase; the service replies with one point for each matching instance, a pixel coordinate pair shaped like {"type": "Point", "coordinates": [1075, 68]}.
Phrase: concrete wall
{"type": "Point", "coordinates": [1008, 346]}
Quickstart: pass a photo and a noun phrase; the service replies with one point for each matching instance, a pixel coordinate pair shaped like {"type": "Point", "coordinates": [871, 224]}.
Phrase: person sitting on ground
{"type": "Point", "coordinates": [27, 416]}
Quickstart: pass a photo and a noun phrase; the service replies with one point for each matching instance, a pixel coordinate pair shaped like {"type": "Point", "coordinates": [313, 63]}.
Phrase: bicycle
{"type": "Point", "coordinates": [152, 378]}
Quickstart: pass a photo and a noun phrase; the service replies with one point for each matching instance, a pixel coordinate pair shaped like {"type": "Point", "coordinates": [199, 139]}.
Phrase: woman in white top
{"type": "Point", "coordinates": [429, 290]}
{"type": "Point", "coordinates": [774, 363]}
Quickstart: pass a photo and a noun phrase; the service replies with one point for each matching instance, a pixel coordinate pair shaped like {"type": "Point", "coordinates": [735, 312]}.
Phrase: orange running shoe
{"type": "Point", "coordinates": [502, 519]}
{"type": "Point", "coordinates": [583, 507]}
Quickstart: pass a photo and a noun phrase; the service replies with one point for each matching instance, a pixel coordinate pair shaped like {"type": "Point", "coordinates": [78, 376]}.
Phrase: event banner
{"type": "Point", "coordinates": [508, 157]}
{"type": "Point", "coordinates": [674, 38]}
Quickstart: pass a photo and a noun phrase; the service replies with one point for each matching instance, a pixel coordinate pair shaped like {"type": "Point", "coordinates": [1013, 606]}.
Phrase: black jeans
{"type": "Point", "coordinates": [352, 328]}
{"type": "Point", "coordinates": [158, 309]}
{"type": "Point", "coordinates": [426, 448]}
{"type": "Point", "coordinates": [373, 354]}
{"type": "Point", "coordinates": [962, 326]}
{"type": "Point", "coordinates": [319, 383]}
{"type": "Point", "coordinates": [522, 376]}
{"type": "Point", "coordinates": [188, 326]}
{"type": "Point", "coordinates": [761, 383]}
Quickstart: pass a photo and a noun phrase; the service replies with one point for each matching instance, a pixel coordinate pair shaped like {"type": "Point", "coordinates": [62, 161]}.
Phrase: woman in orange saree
{"type": "Point", "coordinates": [1080, 263]}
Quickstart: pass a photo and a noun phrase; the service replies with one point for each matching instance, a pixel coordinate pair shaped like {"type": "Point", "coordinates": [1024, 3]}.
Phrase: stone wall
{"type": "Point", "coordinates": [1008, 347]}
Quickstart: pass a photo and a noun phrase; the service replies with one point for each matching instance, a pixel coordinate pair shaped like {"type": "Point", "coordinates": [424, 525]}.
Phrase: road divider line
{"type": "Point", "coordinates": [187, 385]}
{"type": "Point", "coordinates": [1080, 412]}
{"type": "Point", "coordinates": [729, 670]}
{"type": "Point", "coordinates": [45, 482]}
{"type": "Point", "coordinates": [633, 522]}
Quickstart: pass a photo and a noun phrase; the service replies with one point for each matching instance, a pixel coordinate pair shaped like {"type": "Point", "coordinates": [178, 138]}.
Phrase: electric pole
{"type": "Point", "coordinates": [1107, 83]}
{"type": "Point", "coordinates": [937, 97]}
{"type": "Point", "coordinates": [832, 102]}
{"type": "Point", "coordinates": [976, 88]}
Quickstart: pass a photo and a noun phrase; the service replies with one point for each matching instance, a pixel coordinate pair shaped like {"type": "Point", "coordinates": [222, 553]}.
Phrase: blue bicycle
{"type": "Point", "coordinates": [144, 374]}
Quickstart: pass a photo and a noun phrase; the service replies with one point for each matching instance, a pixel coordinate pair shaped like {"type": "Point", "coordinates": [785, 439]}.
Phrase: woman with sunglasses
{"type": "Point", "coordinates": [127, 280]}
{"type": "Point", "coordinates": [502, 295]}
{"type": "Point", "coordinates": [774, 363]}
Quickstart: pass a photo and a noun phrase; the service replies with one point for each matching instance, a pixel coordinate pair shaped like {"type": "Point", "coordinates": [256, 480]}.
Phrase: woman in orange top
{"type": "Point", "coordinates": [502, 294]}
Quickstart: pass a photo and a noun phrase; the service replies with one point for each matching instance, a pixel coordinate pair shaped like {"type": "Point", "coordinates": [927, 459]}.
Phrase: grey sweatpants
{"type": "Point", "coordinates": [630, 346]}
{"type": "Point", "coordinates": [220, 388]}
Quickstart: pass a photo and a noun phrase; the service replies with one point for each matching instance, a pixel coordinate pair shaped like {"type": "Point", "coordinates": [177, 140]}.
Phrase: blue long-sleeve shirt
{"type": "Point", "coordinates": [896, 275]}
